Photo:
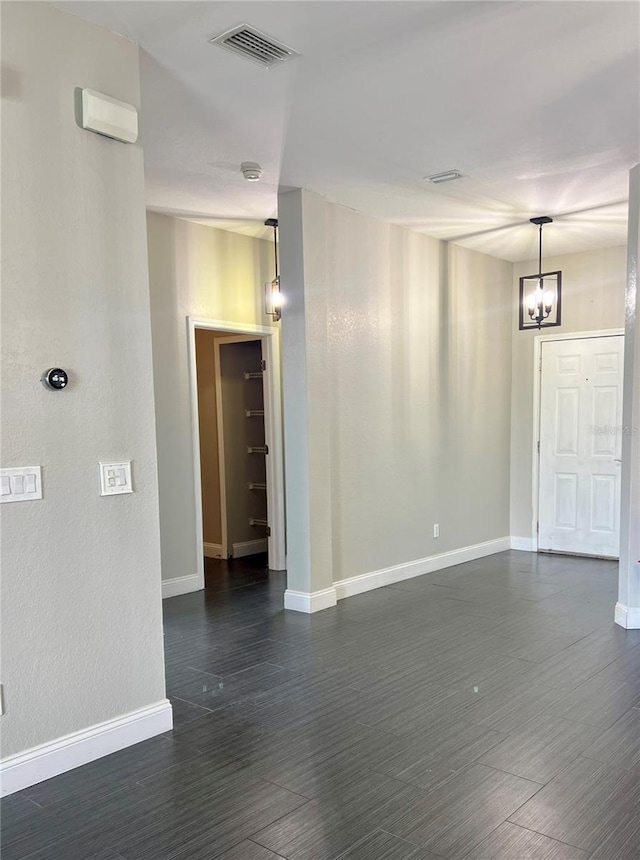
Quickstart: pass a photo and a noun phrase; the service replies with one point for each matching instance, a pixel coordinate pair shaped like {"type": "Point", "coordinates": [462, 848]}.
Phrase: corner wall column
{"type": "Point", "coordinates": [307, 420]}
{"type": "Point", "coordinates": [627, 613]}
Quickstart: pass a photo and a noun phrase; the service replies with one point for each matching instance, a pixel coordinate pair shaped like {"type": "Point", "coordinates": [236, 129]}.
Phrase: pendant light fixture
{"type": "Point", "coordinates": [272, 294]}
{"type": "Point", "coordinates": [541, 294]}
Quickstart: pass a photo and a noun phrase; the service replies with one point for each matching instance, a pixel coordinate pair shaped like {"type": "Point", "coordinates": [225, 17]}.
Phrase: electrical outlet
{"type": "Point", "coordinates": [436, 530]}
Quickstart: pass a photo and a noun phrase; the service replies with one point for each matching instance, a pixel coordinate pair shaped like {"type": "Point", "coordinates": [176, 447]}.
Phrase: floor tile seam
{"type": "Point", "coordinates": [437, 785]}
{"type": "Point", "coordinates": [304, 797]}
{"type": "Point", "coordinates": [253, 666]}
{"type": "Point", "coordinates": [546, 713]}
{"type": "Point", "coordinates": [248, 839]}
{"type": "Point", "coordinates": [541, 627]}
{"type": "Point", "coordinates": [259, 583]}
{"type": "Point", "coordinates": [537, 833]}
{"type": "Point", "coordinates": [202, 672]}
{"type": "Point", "coordinates": [206, 710]}
{"type": "Point", "coordinates": [541, 784]}
{"type": "Point", "coordinates": [252, 836]}
{"type": "Point", "coordinates": [164, 770]}
{"type": "Point", "coordinates": [27, 797]}
{"type": "Point", "coordinates": [464, 722]}
{"type": "Point", "coordinates": [601, 668]}
{"type": "Point", "coordinates": [563, 687]}
{"type": "Point", "coordinates": [587, 851]}
{"type": "Point", "coordinates": [611, 765]}
{"type": "Point", "coordinates": [116, 854]}
{"type": "Point", "coordinates": [409, 842]}
{"type": "Point", "coordinates": [360, 841]}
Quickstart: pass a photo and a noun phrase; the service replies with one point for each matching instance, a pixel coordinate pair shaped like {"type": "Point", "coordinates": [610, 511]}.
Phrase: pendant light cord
{"type": "Point", "coordinates": [540, 255]}
{"type": "Point", "coordinates": [275, 247]}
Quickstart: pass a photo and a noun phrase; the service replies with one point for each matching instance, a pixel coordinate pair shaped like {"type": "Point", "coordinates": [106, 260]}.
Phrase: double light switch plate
{"type": "Point", "coordinates": [115, 478]}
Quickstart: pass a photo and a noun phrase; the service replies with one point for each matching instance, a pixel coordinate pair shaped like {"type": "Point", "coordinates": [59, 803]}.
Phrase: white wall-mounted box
{"type": "Point", "coordinates": [108, 116]}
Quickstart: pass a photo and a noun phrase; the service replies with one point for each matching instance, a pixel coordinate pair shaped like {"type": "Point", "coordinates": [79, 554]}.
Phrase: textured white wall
{"type": "Point", "coordinates": [199, 271]}
{"type": "Point", "coordinates": [593, 284]}
{"type": "Point", "coordinates": [408, 351]}
{"type": "Point", "coordinates": [628, 609]}
{"type": "Point", "coordinates": [81, 623]}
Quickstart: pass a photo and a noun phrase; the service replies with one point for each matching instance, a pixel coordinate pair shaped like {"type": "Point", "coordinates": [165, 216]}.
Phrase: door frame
{"type": "Point", "coordinates": [270, 337]}
{"type": "Point", "coordinates": [538, 340]}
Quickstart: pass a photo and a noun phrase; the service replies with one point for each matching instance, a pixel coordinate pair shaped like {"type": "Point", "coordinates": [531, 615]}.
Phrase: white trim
{"type": "Point", "coordinates": [270, 337]}
{"type": "Point", "coordinates": [537, 392]}
{"type": "Point", "coordinates": [525, 544]}
{"type": "Point", "coordinates": [195, 438]}
{"type": "Point", "coordinates": [305, 601]}
{"type": "Point", "coordinates": [212, 550]}
{"type": "Point", "coordinates": [47, 760]}
{"type": "Point", "coordinates": [249, 547]}
{"type": "Point", "coordinates": [273, 417]}
{"type": "Point", "coordinates": [181, 585]}
{"type": "Point", "coordinates": [399, 572]}
{"type": "Point", "coordinates": [627, 616]}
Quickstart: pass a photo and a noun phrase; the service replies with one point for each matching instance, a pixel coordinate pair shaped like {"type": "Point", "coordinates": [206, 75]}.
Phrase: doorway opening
{"type": "Point", "coordinates": [237, 441]}
{"type": "Point", "coordinates": [579, 435]}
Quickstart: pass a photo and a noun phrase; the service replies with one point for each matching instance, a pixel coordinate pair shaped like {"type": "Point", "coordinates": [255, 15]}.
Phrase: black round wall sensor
{"type": "Point", "coordinates": [55, 378]}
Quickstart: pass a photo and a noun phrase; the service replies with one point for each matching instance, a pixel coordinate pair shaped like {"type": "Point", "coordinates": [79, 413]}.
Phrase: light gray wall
{"type": "Point", "coordinates": [413, 340]}
{"type": "Point", "coordinates": [81, 623]}
{"type": "Point", "coordinates": [593, 285]}
{"type": "Point", "coordinates": [200, 271]}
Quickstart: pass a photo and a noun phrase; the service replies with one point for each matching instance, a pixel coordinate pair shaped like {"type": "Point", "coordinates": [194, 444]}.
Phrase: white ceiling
{"type": "Point", "coordinates": [537, 103]}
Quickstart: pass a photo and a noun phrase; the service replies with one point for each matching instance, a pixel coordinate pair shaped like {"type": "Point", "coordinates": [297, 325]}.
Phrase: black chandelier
{"type": "Point", "coordinates": [541, 294]}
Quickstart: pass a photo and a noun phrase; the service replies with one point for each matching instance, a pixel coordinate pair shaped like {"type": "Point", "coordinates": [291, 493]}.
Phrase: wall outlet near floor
{"type": "Point", "coordinates": [436, 530]}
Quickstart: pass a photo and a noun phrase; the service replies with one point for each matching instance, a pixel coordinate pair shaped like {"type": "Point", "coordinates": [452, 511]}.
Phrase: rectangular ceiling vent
{"type": "Point", "coordinates": [447, 176]}
{"type": "Point", "coordinates": [255, 46]}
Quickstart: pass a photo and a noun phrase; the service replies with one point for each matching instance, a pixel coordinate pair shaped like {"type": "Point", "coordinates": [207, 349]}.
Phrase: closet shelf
{"type": "Point", "coordinates": [254, 521]}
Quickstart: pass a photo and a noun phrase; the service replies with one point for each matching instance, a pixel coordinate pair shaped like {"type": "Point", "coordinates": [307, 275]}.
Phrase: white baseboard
{"type": "Point", "coordinates": [212, 550]}
{"type": "Point", "coordinates": [56, 757]}
{"type": "Point", "coordinates": [390, 575]}
{"type": "Point", "coordinates": [249, 547]}
{"type": "Point", "coordinates": [304, 601]}
{"type": "Point", "coordinates": [627, 616]}
{"type": "Point", "coordinates": [181, 585]}
{"type": "Point", "coordinates": [526, 544]}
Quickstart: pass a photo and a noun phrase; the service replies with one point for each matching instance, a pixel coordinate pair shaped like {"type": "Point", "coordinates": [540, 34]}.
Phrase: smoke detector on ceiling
{"type": "Point", "coordinates": [447, 176]}
{"type": "Point", "coordinates": [256, 46]}
{"type": "Point", "coordinates": [251, 171]}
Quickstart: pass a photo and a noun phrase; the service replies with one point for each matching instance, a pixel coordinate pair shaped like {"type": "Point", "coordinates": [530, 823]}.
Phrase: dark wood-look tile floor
{"type": "Point", "coordinates": [487, 712]}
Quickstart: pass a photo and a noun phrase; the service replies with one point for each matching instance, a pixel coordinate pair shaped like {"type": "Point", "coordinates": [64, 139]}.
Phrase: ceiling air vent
{"type": "Point", "coordinates": [255, 46]}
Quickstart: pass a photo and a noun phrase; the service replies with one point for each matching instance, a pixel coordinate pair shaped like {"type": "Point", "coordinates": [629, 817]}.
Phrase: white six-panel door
{"type": "Point", "coordinates": [580, 443]}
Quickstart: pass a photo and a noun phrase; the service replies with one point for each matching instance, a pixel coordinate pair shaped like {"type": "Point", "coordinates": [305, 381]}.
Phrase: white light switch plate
{"type": "Point", "coordinates": [115, 478]}
{"type": "Point", "coordinates": [22, 484]}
